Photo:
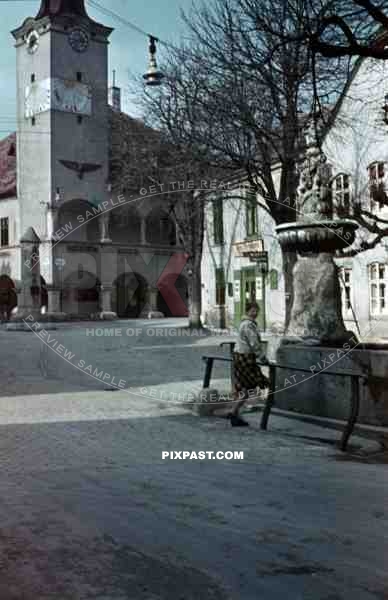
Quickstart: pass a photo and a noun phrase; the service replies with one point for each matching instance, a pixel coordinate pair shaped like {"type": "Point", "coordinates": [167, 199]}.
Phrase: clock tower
{"type": "Point", "coordinates": [62, 114]}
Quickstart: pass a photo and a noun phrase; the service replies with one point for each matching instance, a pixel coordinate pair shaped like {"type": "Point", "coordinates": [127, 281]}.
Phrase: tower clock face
{"type": "Point", "coordinates": [32, 41]}
{"type": "Point", "coordinates": [78, 39]}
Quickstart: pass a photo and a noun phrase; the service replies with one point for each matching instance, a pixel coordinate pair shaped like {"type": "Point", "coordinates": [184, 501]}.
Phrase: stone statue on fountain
{"type": "Point", "coordinates": [316, 313]}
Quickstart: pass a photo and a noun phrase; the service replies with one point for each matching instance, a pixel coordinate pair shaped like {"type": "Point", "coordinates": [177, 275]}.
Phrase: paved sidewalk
{"type": "Point", "coordinates": [159, 401]}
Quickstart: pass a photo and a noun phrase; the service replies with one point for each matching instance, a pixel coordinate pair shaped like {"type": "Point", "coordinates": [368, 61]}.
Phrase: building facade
{"type": "Point", "coordinates": [100, 253]}
{"type": "Point", "coordinates": [356, 147]}
{"type": "Point", "coordinates": [242, 261]}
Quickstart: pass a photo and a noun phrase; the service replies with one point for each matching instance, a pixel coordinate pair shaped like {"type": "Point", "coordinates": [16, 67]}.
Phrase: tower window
{"type": "Point", "coordinates": [79, 76]}
{"type": "Point", "coordinates": [218, 221]}
{"type": "Point", "coordinates": [251, 214]}
{"type": "Point", "coordinates": [79, 119]}
{"type": "Point", "coordinates": [32, 77]}
{"type": "Point", "coordinates": [346, 284]}
{"type": "Point", "coordinates": [340, 189]}
{"type": "Point", "coordinates": [33, 121]}
{"type": "Point", "coordinates": [377, 191]}
{"type": "Point", "coordinates": [378, 288]}
{"type": "Point", "coordinates": [4, 232]}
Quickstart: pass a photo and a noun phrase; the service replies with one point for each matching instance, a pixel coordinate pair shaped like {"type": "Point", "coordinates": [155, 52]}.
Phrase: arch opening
{"type": "Point", "coordinates": [129, 295]}
{"type": "Point", "coordinates": [173, 296]}
{"type": "Point", "coordinates": [75, 223]}
{"type": "Point", "coordinates": [80, 296]}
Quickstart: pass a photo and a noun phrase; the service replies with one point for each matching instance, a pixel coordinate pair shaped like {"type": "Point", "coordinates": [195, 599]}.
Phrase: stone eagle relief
{"type": "Point", "coordinates": [80, 168]}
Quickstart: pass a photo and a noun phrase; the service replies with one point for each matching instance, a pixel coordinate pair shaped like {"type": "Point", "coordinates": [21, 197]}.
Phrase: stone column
{"type": "Point", "coordinates": [106, 275]}
{"type": "Point", "coordinates": [107, 313]}
{"type": "Point", "coordinates": [30, 291]}
{"type": "Point", "coordinates": [150, 310]}
{"type": "Point", "coordinates": [54, 312]}
{"type": "Point", "coordinates": [51, 222]}
{"type": "Point", "coordinates": [104, 228]}
{"type": "Point", "coordinates": [54, 300]}
{"type": "Point", "coordinates": [143, 232]}
{"type": "Point", "coordinates": [153, 299]}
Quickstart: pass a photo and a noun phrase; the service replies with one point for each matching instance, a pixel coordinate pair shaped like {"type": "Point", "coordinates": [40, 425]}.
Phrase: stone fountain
{"type": "Point", "coordinates": [316, 337]}
{"type": "Point", "coordinates": [317, 233]}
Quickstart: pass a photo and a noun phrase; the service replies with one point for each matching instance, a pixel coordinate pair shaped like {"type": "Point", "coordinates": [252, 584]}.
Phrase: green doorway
{"type": "Point", "coordinates": [249, 287]}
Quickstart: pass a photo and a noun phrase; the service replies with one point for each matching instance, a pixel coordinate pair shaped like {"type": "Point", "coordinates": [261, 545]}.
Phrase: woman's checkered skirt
{"type": "Point", "coordinates": [247, 373]}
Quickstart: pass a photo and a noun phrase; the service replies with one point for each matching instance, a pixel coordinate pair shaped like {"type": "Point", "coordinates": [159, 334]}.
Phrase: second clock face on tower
{"type": "Point", "coordinates": [32, 41]}
{"type": "Point", "coordinates": [78, 39]}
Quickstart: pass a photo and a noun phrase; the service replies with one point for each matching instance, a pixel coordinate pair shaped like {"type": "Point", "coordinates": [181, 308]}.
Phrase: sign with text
{"type": "Point", "coordinates": [248, 248]}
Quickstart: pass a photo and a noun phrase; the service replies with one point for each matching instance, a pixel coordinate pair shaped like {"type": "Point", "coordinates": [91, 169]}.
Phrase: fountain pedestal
{"type": "Point", "coordinates": [316, 312]}
{"type": "Point", "coordinates": [316, 337]}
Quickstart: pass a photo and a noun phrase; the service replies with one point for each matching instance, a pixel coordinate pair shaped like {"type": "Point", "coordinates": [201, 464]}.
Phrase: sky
{"type": "Point", "coordinates": [128, 50]}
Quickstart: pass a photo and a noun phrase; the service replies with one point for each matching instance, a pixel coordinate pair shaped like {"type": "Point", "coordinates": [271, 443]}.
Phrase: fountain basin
{"type": "Point", "coordinates": [315, 238]}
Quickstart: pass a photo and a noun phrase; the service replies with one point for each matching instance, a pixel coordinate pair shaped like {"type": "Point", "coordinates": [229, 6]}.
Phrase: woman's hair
{"type": "Point", "coordinates": [250, 305]}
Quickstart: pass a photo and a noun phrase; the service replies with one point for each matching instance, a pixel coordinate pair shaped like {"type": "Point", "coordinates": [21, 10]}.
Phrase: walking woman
{"type": "Point", "coordinates": [247, 374]}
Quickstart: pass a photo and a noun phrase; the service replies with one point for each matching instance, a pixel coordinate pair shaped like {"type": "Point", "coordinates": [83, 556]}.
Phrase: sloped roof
{"type": "Point", "coordinates": [54, 7]}
{"type": "Point", "coordinates": [8, 166]}
{"type": "Point", "coordinates": [135, 152]}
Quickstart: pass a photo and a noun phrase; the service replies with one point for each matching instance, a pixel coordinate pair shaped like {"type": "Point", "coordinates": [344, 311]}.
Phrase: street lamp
{"type": "Point", "coordinates": [153, 77]}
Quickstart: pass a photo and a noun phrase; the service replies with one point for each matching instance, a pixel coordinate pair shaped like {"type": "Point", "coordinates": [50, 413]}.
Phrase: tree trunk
{"type": "Point", "coordinates": [289, 261]}
{"type": "Point", "coordinates": [195, 297]}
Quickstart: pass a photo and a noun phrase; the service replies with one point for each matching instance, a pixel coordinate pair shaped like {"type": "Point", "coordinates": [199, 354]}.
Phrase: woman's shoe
{"type": "Point", "coordinates": [237, 421]}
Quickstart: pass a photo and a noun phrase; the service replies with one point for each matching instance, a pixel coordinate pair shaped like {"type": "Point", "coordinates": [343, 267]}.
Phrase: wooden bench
{"type": "Point", "coordinates": [355, 389]}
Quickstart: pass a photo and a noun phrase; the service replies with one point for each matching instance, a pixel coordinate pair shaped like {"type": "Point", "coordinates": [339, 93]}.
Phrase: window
{"type": "Point", "coordinates": [79, 76]}
{"type": "Point", "coordinates": [378, 282]}
{"type": "Point", "coordinates": [377, 193]}
{"type": "Point", "coordinates": [4, 232]}
{"type": "Point", "coordinates": [274, 279]}
{"type": "Point", "coordinates": [251, 213]}
{"type": "Point", "coordinates": [385, 109]}
{"type": "Point", "coordinates": [33, 121]}
{"type": "Point", "coordinates": [340, 189]}
{"type": "Point", "coordinates": [218, 221]}
{"type": "Point", "coordinates": [220, 286]}
{"type": "Point", "coordinates": [346, 283]}
{"type": "Point", "coordinates": [32, 77]}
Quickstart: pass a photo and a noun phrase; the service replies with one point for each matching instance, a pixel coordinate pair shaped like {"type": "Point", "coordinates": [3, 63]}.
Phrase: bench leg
{"type": "Point", "coordinates": [354, 410]}
{"type": "Point", "coordinates": [208, 373]}
{"type": "Point", "coordinates": [270, 399]}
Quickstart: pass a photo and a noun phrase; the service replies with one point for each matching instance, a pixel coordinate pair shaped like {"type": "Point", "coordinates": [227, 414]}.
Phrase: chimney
{"type": "Point", "coordinates": [114, 95]}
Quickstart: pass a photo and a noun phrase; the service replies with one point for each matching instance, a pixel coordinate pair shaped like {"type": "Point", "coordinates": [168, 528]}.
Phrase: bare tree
{"type": "Point", "coordinates": [357, 140]}
{"type": "Point", "coordinates": [239, 99]}
{"type": "Point", "coordinates": [142, 156]}
{"type": "Point", "coordinates": [344, 28]}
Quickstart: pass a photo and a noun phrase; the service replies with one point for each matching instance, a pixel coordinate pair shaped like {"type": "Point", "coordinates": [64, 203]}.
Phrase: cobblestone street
{"type": "Point", "coordinates": [90, 510]}
{"type": "Point", "coordinates": [144, 352]}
